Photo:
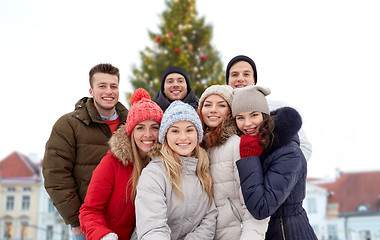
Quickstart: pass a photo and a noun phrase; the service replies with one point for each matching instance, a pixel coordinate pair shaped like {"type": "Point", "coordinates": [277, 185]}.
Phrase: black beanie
{"type": "Point", "coordinates": [238, 59]}
{"type": "Point", "coordinates": [179, 70]}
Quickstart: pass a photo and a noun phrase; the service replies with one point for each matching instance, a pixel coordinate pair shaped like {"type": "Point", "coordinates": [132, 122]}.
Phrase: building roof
{"type": "Point", "coordinates": [18, 166]}
{"type": "Point", "coordinates": [353, 189]}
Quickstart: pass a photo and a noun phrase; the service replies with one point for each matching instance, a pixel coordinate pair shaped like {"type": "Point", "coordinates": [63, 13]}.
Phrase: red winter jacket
{"type": "Point", "coordinates": [106, 207]}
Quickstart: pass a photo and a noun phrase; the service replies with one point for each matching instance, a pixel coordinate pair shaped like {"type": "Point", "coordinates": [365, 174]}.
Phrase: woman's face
{"type": "Point", "coordinates": [249, 122]}
{"type": "Point", "coordinates": [182, 138]}
{"type": "Point", "coordinates": [214, 110]}
{"type": "Point", "coordinates": [145, 134]}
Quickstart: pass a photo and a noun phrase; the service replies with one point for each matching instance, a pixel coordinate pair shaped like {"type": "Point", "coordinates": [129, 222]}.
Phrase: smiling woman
{"type": "Point", "coordinates": [176, 184]}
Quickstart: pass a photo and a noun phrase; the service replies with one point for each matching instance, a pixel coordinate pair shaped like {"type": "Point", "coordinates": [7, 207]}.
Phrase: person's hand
{"type": "Point", "coordinates": [250, 146]}
{"type": "Point", "coordinates": [110, 236]}
{"type": "Point", "coordinates": [77, 230]}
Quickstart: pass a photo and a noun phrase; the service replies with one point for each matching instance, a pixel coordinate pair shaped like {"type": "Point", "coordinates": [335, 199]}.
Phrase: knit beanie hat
{"type": "Point", "coordinates": [176, 112]}
{"type": "Point", "coordinates": [238, 59]}
{"type": "Point", "coordinates": [174, 69]}
{"type": "Point", "coordinates": [142, 109]}
{"type": "Point", "coordinates": [224, 91]}
{"type": "Point", "coordinates": [250, 99]}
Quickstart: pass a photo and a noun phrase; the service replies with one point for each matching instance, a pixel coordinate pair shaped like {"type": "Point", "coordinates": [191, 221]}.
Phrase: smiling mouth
{"type": "Point", "coordinates": [147, 142]}
{"type": "Point", "coordinates": [107, 98]}
{"type": "Point", "coordinates": [250, 130]}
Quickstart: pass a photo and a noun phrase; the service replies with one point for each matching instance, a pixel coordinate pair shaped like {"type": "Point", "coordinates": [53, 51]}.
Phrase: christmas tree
{"type": "Point", "coordinates": [183, 41]}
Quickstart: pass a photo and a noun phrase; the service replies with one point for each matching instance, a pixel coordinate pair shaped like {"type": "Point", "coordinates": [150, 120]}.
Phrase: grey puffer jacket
{"type": "Point", "coordinates": [160, 214]}
{"type": "Point", "coordinates": [234, 220]}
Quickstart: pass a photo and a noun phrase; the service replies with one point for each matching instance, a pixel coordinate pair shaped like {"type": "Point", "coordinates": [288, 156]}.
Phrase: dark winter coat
{"type": "Point", "coordinates": [275, 186]}
{"type": "Point", "coordinates": [108, 207]}
{"type": "Point", "coordinates": [164, 103]}
{"type": "Point", "coordinates": [77, 143]}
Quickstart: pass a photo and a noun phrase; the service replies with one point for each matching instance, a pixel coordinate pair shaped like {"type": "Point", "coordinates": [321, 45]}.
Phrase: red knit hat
{"type": "Point", "coordinates": [143, 108]}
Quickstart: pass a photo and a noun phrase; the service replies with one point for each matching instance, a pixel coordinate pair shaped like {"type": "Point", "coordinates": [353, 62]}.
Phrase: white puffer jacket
{"type": "Point", "coordinates": [234, 221]}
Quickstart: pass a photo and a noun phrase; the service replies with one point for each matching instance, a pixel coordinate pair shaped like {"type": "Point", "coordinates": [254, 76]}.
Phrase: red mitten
{"type": "Point", "coordinates": [250, 146]}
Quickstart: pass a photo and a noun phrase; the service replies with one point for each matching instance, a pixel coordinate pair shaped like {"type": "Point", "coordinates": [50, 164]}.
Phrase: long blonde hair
{"type": "Point", "coordinates": [139, 165]}
{"type": "Point", "coordinates": [173, 164]}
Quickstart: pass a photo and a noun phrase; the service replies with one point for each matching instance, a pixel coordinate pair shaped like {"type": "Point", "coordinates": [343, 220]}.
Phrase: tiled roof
{"type": "Point", "coordinates": [353, 189]}
{"type": "Point", "coordinates": [17, 165]}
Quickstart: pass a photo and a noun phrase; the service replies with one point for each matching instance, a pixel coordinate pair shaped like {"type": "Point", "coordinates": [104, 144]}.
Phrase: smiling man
{"type": "Point", "coordinates": [175, 85]}
{"type": "Point", "coordinates": [78, 142]}
{"type": "Point", "coordinates": [240, 72]}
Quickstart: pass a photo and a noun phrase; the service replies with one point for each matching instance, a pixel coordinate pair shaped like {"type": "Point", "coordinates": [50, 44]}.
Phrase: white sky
{"type": "Point", "coordinates": [322, 56]}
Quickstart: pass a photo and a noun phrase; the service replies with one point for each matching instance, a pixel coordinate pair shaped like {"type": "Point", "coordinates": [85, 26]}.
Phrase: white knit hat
{"type": "Point", "coordinates": [176, 112]}
{"type": "Point", "coordinates": [224, 91]}
{"type": "Point", "coordinates": [250, 99]}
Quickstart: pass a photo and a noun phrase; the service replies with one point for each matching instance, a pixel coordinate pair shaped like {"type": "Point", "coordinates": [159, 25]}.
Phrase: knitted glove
{"type": "Point", "coordinates": [110, 236]}
{"type": "Point", "coordinates": [250, 146]}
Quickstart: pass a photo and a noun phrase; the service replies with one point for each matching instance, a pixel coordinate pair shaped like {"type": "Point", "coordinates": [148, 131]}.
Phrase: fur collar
{"type": "Point", "coordinates": [287, 123]}
{"type": "Point", "coordinates": [228, 129]}
{"type": "Point", "coordinates": [120, 145]}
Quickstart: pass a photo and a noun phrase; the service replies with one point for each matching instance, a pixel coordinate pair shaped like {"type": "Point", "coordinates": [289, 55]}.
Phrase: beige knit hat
{"type": "Point", "coordinates": [250, 99]}
{"type": "Point", "coordinates": [224, 91]}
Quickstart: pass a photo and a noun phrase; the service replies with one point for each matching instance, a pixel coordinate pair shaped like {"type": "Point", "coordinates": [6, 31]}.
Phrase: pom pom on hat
{"type": "Point", "coordinates": [176, 112]}
{"type": "Point", "coordinates": [143, 108]}
{"type": "Point", "coordinates": [250, 99]}
{"type": "Point", "coordinates": [224, 91]}
{"type": "Point", "coordinates": [138, 95]}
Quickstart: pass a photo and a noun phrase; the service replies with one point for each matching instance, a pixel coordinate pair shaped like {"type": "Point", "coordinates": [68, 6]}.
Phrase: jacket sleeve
{"type": "Point", "coordinates": [206, 229]}
{"type": "Point", "coordinates": [150, 206]}
{"type": "Point", "coordinates": [93, 210]}
{"type": "Point", "coordinates": [264, 194]}
{"type": "Point", "coordinates": [57, 171]}
{"type": "Point", "coordinates": [253, 229]}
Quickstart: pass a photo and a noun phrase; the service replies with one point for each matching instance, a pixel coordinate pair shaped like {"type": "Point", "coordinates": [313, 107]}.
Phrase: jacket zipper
{"type": "Point", "coordinates": [235, 211]}
{"type": "Point", "coordinates": [282, 228]}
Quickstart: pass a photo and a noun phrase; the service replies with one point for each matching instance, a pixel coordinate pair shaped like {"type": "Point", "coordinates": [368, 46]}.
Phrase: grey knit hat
{"type": "Point", "coordinates": [224, 91]}
{"type": "Point", "coordinates": [176, 112]}
{"type": "Point", "coordinates": [250, 99]}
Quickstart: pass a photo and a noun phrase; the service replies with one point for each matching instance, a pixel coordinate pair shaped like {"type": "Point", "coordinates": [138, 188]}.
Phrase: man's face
{"type": "Point", "coordinates": [241, 75]}
{"type": "Point", "coordinates": [175, 87]}
{"type": "Point", "coordinates": [105, 91]}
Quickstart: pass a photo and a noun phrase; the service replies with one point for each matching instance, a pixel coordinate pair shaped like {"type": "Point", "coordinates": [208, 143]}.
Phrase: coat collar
{"type": "Point", "coordinates": [121, 146]}
{"type": "Point", "coordinates": [287, 123]}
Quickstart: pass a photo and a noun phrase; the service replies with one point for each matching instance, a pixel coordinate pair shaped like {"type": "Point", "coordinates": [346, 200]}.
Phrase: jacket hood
{"type": "Point", "coordinates": [121, 146]}
{"type": "Point", "coordinates": [287, 123]}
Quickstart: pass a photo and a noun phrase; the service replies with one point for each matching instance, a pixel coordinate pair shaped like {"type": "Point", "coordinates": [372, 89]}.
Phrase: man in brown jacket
{"type": "Point", "coordinates": [78, 142]}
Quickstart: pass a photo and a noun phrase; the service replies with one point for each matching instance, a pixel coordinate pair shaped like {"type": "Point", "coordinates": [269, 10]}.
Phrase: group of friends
{"type": "Point", "coordinates": [229, 165]}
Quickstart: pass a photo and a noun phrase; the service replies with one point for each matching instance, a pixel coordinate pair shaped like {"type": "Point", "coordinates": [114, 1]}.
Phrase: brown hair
{"type": "Point", "coordinates": [104, 68]}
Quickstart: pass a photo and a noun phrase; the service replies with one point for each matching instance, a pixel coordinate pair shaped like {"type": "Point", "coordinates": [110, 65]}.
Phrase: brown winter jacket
{"type": "Point", "coordinates": [77, 143]}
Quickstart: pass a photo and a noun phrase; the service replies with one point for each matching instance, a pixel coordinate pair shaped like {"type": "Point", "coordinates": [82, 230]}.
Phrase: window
{"type": "Point", "coordinates": [311, 205]}
{"type": "Point", "coordinates": [27, 189]}
{"type": "Point", "coordinates": [332, 232]}
{"type": "Point", "coordinates": [364, 235]}
{"type": "Point", "coordinates": [24, 230]}
{"type": "Point", "coordinates": [7, 230]}
{"type": "Point", "coordinates": [363, 208]}
{"type": "Point", "coordinates": [11, 189]}
{"type": "Point", "coordinates": [49, 232]}
{"type": "Point", "coordinates": [25, 204]}
{"type": "Point", "coordinates": [51, 207]}
{"type": "Point", "coordinates": [10, 202]}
